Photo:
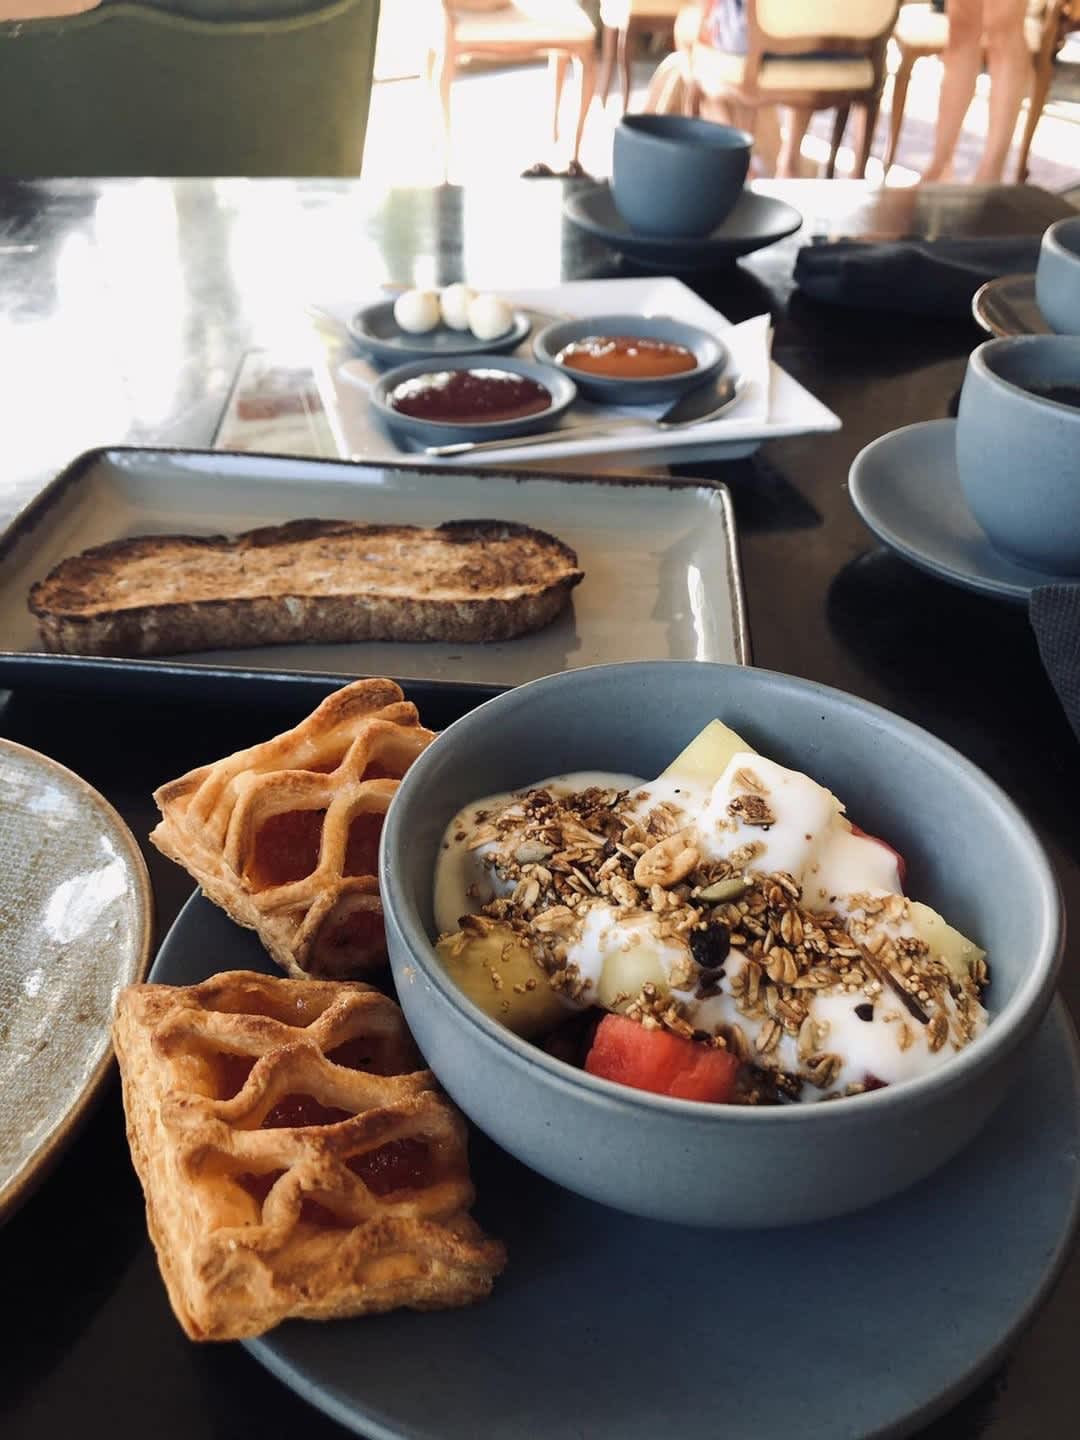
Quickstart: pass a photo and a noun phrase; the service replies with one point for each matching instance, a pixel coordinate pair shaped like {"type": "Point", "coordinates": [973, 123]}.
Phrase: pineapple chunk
{"type": "Point", "coordinates": [706, 757]}
{"type": "Point", "coordinates": [946, 944]}
{"type": "Point", "coordinates": [489, 966]}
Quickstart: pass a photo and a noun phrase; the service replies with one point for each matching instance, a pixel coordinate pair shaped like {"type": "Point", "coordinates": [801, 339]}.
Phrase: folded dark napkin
{"type": "Point", "coordinates": [1054, 612]}
{"type": "Point", "coordinates": [930, 277]}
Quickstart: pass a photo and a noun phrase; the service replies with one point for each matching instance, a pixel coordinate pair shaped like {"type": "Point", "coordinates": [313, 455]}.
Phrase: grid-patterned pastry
{"type": "Point", "coordinates": [295, 1159]}
{"type": "Point", "coordinates": [285, 836]}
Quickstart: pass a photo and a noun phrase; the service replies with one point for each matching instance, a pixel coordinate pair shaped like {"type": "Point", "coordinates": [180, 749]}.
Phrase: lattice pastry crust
{"type": "Point", "coordinates": [281, 1179]}
{"type": "Point", "coordinates": [284, 836]}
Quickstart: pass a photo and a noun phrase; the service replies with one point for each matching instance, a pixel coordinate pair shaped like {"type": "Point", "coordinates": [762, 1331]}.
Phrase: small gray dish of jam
{"type": "Point", "coordinates": [474, 397]}
{"type": "Point", "coordinates": [631, 359]}
{"type": "Point", "coordinates": [470, 397]}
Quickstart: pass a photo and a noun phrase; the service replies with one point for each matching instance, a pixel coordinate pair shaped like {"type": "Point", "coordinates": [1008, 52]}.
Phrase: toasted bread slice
{"type": "Point", "coordinates": [322, 581]}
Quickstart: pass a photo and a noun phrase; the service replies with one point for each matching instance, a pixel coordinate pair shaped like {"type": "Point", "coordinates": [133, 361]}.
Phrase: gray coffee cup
{"type": "Point", "coordinates": [1057, 280]}
{"type": "Point", "coordinates": [676, 176]}
{"type": "Point", "coordinates": [1018, 450]}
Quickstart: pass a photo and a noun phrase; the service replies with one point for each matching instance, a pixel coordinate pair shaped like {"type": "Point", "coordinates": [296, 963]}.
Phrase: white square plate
{"type": "Point", "coordinates": [787, 408]}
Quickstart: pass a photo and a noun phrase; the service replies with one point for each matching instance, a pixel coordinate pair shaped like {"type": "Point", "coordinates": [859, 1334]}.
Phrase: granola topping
{"type": "Point", "coordinates": [818, 990]}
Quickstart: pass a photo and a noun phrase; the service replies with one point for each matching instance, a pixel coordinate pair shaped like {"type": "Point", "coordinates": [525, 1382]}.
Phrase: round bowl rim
{"type": "Point", "coordinates": [641, 127]}
{"type": "Point", "coordinates": [1007, 1030]}
{"type": "Point", "coordinates": [982, 356]}
{"type": "Point", "coordinates": [605, 324]}
{"type": "Point", "coordinates": [1052, 238]}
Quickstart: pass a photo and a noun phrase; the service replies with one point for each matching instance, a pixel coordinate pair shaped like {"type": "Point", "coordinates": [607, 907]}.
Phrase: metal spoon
{"type": "Point", "coordinates": [704, 402]}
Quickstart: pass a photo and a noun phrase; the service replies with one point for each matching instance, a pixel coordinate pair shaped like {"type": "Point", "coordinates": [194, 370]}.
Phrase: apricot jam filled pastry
{"type": "Point", "coordinates": [296, 1159]}
{"type": "Point", "coordinates": [285, 836]}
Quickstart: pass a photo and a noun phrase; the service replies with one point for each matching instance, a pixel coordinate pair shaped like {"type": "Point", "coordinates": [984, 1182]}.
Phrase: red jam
{"type": "Point", "coordinates": [405, 1164]}
{"type": "Point", "coordinates": [297, 1110]}
{"type": "Point", "coordinates": [626, 357]}
{"type": "Point", "coordinates": [470, 397]}
{"type": "Point", "coordinates": [286, 848]}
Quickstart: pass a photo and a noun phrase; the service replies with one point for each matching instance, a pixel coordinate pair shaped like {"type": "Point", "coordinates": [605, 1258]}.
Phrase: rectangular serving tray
{"type": "Point", "coordinates": [662, 576]}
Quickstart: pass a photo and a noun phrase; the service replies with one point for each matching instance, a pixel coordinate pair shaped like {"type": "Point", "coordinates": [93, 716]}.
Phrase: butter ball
{"type": "Point", "coordinates": [417, 311]}
{"type": "Point", "coordinates": [454, 303]}
{"type": "Point", "coordinates": [489, 317]}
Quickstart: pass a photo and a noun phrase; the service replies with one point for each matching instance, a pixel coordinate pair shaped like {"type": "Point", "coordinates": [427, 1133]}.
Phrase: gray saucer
{"type": "Point", "coordinates": [906, 488]}
{"type": "Point", "coordinates": [1007, 306]}
{"type": "Point", "coordinates": [612, 1328]}
{"type": "Point", "coordinates": [562, 389]}
{"type": "Point", "coordinates": [756, 221]}
{"type": "Point", "coordinates": [382, 339]}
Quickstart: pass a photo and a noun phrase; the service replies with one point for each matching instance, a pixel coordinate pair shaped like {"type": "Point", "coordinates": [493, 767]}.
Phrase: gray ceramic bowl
{"type": "Point", "coordinates": [970, 854]}
{"type": "Point", "coordinates": [1057, 279]}
{"type": "Point", "coordinates": [436, 432]}
{"type": "Point", "coordinates": [707, 350]}
{"type": "Point", "coordinates": [1017, 451]}
{"type": "Point", "coordinates": [673, 175]}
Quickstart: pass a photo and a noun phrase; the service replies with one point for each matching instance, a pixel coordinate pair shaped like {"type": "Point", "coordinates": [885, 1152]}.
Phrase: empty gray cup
{"type": "Point", "coordinates": [1057, 280]}
{"type": "Point", "coordinates": [1018, 450]}
{"type": "Point", "coordinates": [676, 176]}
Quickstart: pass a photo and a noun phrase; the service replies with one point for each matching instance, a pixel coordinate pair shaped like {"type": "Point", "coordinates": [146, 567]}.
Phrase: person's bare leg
{"type": "Point", "coordinates": [962, 61]}
{"type": "Point", "coordinates": [764, 125]}
{"type": "Point", "coordinates": [798, 119]}
{"type": "Point", "coordinates": [1009, 63]}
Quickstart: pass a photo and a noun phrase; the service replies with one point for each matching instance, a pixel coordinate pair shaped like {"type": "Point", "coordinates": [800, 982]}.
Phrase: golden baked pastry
{"type": "Point", "coordinates": [296, 1162]}
{"type": "Point", "coordinates": [285, 836]}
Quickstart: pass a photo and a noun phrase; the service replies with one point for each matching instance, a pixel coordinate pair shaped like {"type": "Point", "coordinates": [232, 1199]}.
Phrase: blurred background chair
{"type": "Point", "coordinates": [922, 30]}
{"type": "Point", "coordinates": [558, 30]}
{"type": "Point", "coordinates": [235, 89]}
{"type": "Point", "coordinates": [805, 55]}
{"type": "Point", "coordinates": [622, 23]}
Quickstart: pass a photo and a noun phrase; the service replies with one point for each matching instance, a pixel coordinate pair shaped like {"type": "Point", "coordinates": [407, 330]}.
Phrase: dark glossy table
{"type": "Point", "coordinates": [124, 309]}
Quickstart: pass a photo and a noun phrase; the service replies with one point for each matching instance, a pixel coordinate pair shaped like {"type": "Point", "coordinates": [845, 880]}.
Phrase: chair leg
{"type": "Point", "coordinates": [899, 100]}
{"type": "Point", "coordinates": [608, 41]}
{"type": "Point", "coordinates": [1040, 89]}
{"type": "Point", "coordinates": [558, 64]}
{"type": "Point", "coordinates": [839, 126]}
{"type": "Point", "coordinates": [441, 72]}
{"type": "Point", "coordinates": [868, 115]}
{"type": "Point", "coordinates": [585, 64]}
{"type": "Point", "coordinates": [624, 65]}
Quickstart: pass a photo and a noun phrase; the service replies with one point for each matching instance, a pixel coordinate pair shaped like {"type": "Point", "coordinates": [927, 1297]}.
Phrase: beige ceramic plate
{"type": "Point", "coordinates": [76, 921]}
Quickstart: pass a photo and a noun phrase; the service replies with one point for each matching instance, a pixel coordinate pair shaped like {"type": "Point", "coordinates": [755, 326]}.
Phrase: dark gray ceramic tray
{"type": "Point", "coordinates": [605, 1327]}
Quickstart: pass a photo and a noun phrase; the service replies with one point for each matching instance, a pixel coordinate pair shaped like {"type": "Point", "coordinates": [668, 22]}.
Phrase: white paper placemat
{"type": "Point", "coordinates": [775, 404]}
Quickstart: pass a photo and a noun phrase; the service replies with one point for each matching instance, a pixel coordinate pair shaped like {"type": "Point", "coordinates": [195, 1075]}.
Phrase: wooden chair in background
{"type": "Point", "coordinates": [622, 22]}
{"type": "Point", "coordinates": [921, 31]}
{"type": "Point", "coordinates": [558, 30]}
{"type": "Point", "coordinates": [805, 55]}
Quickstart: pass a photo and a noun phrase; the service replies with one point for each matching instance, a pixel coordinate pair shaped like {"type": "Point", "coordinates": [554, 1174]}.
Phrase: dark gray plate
{"type": "Point", "coordinates": [906, 488]}
{"type": "Point", "coordinates": [756, 221]}
{"type": "Point", "coordinates": [609, 1328]}
{"type": "Point", "coordinates": [378, 334]}
{"type": "Point", "coordinates": [435, 432]}
{"type": "Point", "coordinates": [707, 350]}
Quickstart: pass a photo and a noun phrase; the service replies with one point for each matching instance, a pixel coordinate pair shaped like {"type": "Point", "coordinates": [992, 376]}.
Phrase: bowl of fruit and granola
{"type": "Point", "coordinates": [712, 944]}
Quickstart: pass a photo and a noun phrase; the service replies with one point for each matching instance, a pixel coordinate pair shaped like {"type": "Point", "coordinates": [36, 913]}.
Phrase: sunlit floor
{"type": "Point", "coordinates": [502, 123]}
